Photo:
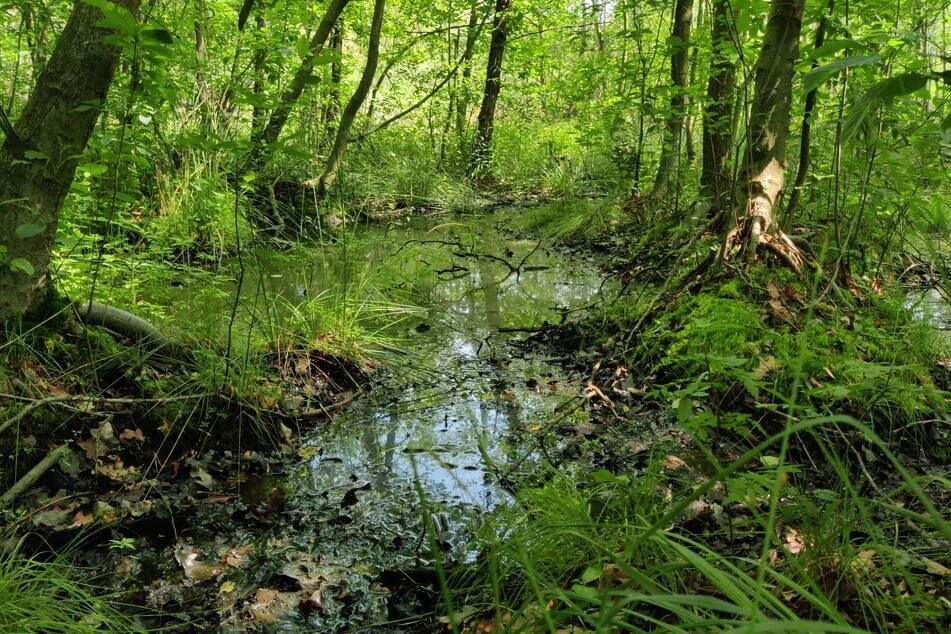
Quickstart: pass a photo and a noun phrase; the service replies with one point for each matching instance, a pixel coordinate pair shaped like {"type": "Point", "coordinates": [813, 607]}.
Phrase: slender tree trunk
{"type": "Point", "coordinates": [805, 138]}
{"type": "Point", "coordinates": [679, 61]}
{"type": "Point", "coordinates": [271, 131]}
{"type": "Point", "coordinates": [325, 181]}
{"type": "Point", "coordinates": [482, 147]}
{"type": "Point", "coordinates": [257, 88]}
{"type": "Point", "coordinates": [718, 113]}
{"type": "Point", "coordinates": [462, 105]}
{"type": "Point", "coordinates": [332, 111]}
{"type": "Point", "coordinates": [205, 97]}
{"type": "Point", "coordinates": [764, 164]}
{"type": "Point", "coordinates": [35, 38]}
{"type": "Point", "coordinates": [38, 164]}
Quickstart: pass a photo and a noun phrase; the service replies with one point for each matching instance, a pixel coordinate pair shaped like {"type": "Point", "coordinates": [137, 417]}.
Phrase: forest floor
{"type": "Point", "coordinates": [333, 512]}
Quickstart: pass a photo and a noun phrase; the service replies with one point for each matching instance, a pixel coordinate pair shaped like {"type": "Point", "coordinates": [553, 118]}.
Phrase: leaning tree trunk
{"type": "Point", "coordinates": [482, 146]}
{"type": "Point", "coordinates": [325, 181]}
{"type": "Point", "coordinates": [265, 138]}
{"type": "Point", "coordinates": [718, 113]}
{"type": "Point", "coordinates": [764, 164]}
{"type": "Point", "coordinates": [37, 164]}
{"type": "Point", "coordinates": [670, 152]}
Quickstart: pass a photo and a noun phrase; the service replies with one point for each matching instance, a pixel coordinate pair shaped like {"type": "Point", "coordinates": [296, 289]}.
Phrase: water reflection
{"type": "Point", "coordinates": [480, 400]}
{"type": "Point", "coordinates": [930, 305]}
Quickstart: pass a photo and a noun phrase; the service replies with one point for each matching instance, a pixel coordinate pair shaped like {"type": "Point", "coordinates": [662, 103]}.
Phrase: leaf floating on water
{"type": "Point", "coordinates": [307, 452]}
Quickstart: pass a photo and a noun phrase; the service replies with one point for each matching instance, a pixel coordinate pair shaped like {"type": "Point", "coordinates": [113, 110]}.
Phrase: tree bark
{"type": "Point", "coordinates": [325, 181]}
{"type": "Point", "coordinates": [764, 163]}
{"type": "Point", "coordinates": [718, 113]}
{"type": "Point", "coordinates": [482, 146]}
{"type": "Point", "coordinates": [37, 167]}
{"type": "Point", "coordinates": [679, 61]}
{"type": "Point", "coordinates": [262, 141]}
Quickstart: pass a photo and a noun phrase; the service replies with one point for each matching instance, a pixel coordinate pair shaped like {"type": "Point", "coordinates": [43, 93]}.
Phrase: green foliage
{"type": "Point", "coordinates": [730, 346]}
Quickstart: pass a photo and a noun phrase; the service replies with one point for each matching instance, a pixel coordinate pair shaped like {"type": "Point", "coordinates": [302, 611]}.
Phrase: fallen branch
{"type": "Point", "coordinates": [33, 475]}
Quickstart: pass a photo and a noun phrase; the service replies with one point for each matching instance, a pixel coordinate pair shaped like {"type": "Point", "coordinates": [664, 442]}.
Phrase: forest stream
{"type": "Point", "coordinates": [427, 444]}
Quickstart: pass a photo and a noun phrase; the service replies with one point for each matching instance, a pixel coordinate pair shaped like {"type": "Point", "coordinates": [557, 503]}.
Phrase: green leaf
{"type": "Point", "coordinates": [28, 230]}
{"type": "Point", "coordinates": [885, 90]}
{"type": "Point", "coordinates": [115, 17]}
{"type": "Point", "coordinates": [591, 573]}
{"type": "Point", "coordinates": [831, 47]}
{"type": "Point", "coordinates": [327, 56]}
{"type": "Point", "coordinates": [35, 156]}
{"type": "Point", "coordinates": [158, 35]}
{"type": "Point", "coordinates": [91, 170]}
{"type": "Point", "coordinates": [19, 264]}
{"type": "Point", "coordinates": [814, 78]}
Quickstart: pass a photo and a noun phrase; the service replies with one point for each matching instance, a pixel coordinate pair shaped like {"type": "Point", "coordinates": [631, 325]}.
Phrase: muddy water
{"type": "Point", "coordinates": [459, 406]}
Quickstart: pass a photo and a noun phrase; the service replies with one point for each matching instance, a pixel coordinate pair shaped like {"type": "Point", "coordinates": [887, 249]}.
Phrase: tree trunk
{"type": "Point", "coordinates": [462, 104]}
{"type": "Point", "coordinates": [764, 163]}
{"type": "Point", "coordinates": [326, 179]}
{"type": "Point", "coordinates": [332, 109]}
{"type": "Point", "coordinates": [718, 113]}
{"type": "Point", "coordinates": [805, 138]}
{"type": "Point", "coordinates": [670, 152]}
{"type": "Point", "coordinates": [263, 140]}
{"type": "Point", "coordinates": [37, 166]}
{"type": "Point", "coordinates": [482, 147]}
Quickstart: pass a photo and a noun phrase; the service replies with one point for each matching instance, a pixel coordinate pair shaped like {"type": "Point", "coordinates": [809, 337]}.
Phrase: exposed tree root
{"type": "Point", "coordinates": [131, 326]}
{"type": "Point", "coordinates": [751, 233]}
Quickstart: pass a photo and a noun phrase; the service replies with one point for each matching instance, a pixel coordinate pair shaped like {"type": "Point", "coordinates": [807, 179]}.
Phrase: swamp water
{"type": "Point", "coordinates": [424, 447]}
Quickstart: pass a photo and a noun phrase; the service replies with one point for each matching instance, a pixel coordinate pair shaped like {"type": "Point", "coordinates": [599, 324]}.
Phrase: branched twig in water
{"type": "Point", "coordinates": [55, 400]}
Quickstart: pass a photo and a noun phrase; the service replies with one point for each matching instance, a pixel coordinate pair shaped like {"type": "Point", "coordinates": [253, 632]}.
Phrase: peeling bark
{"type": "Point", "coordinates": [764, 164]}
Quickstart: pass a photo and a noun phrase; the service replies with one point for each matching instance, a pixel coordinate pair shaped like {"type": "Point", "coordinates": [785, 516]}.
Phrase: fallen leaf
{"type": "Point", "coordinates": [307, 452]}
{"type": "Point", "coordinates": [202, 477]}
{"type": "Point", "coordinates": [935, 568]}
{"type": "Point", "coordinates": [794, 541]}
{"type": "Point", "coordinates": [81, 519]}
{"type": "Point", "coordinates": [766, 365]}
{"type": "Point", "coordinates": [128, 434]}
{"type": "Point", "coordinates": [673, 462]}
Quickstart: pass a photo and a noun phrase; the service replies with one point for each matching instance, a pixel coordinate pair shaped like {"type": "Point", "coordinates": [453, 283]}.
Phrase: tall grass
{"type": "Point", "coordinates": [603, 552]}
{"type": "Point", "coordinates": [46, 596]}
